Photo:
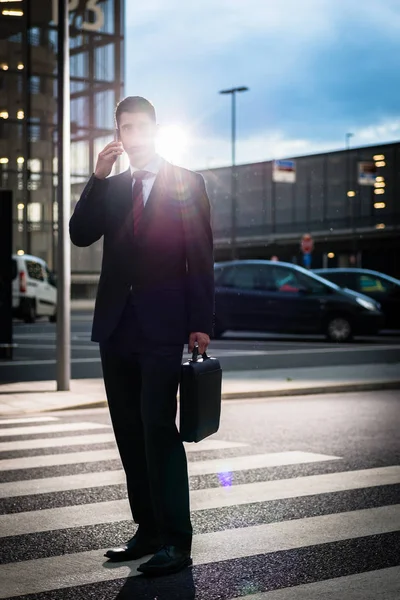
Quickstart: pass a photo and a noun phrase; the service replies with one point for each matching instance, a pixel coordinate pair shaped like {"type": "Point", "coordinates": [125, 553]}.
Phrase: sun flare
{"type": "Point", "coordinates": [172, 142]}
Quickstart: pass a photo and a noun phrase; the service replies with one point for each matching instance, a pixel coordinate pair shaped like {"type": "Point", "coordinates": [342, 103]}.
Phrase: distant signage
{"type": "Point", "coordinates": [307, 244]}
{"type": "Point", "coordinates": [367, 173]}
{"type": "Point", "coordinates": [91, 7]}
{"type": "Point", "coordinates": [284, 171]}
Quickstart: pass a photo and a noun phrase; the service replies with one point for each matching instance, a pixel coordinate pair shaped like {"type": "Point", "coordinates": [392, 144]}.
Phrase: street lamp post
{"type": "Point", "coordinates": [63, 202]}
{"type": "Point", "coordinates": [232, 92]}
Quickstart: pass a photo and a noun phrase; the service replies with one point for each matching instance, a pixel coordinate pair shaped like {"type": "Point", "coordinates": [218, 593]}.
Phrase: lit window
{"type": "Point", "coordinates": [379, 205]}
{"type": "Point", "coordinates": [35, 165]}
{"type": "Point", "coordinates": [3, 114]}
{"type": "Point", "coordinates": [379, 157]}
{"type": "Point", "coordinates": [34, 212]}
{"type": "Point", "coordinates": [351, 194]}
{"type": "Point", "coordinates": [12, 13]}
{"type": "Point", "coordinates": [380, 179]}
{"type": "Point", "coordinates": [20, 114]}
{"type": "Point", "coordinates": [379, 191]}
{"type": "Point", "coordinates": [20, 212]}
{"type": "Point", "coordinates": [380, 226]}
{"type": "Point", "coordinates": [20, 160]}
{"type": "Point", "coordinates": [20, 66]}
{"type": "Point", "coordinates": [380, 184]}
{"type": "Point", "coordinates": [4, 66]}
{"type": "Point", "coordinates": [20, 252]}
{"type": "Point", "coordinates": [381, 163]}
{"type": "Point", "coordinates": [4, 160]}
{"type": "Point", "coordinates": [331, 255]}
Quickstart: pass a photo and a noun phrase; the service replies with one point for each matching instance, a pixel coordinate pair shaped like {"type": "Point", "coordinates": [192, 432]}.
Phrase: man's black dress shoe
{"type": "Point", "coordinates": [168, 559]}
{"type": "Point", "coordinates": [137, 547]}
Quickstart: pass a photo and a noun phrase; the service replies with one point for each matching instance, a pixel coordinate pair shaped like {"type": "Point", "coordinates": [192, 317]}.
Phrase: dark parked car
{"type": "Point", "coordinates": [382, 288]}
{"type": "Point", "coordinates": [262, 295]}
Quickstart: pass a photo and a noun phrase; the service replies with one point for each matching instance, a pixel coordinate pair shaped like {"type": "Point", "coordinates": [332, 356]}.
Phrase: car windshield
{"type": "Point", "coordinates": [218, 268]}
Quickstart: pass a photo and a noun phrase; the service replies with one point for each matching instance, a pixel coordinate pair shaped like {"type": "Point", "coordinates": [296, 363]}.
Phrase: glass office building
{"type": "Point", "coordinates": [348, 200]}
{"type": "Point", "coordinates": [28, 111]}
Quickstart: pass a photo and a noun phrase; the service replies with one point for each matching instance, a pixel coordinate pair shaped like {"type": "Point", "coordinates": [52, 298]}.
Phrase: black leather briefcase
{"type": "Point", "coordinates": [200, 397]}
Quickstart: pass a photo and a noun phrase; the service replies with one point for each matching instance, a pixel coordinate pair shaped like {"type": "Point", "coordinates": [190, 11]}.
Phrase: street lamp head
{"type": "Point", "coordinates": [243, 88]}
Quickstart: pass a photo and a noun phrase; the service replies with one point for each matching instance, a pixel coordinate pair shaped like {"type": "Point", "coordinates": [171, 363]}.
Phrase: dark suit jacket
{"type": "Point", "coordinates": [169, 263]}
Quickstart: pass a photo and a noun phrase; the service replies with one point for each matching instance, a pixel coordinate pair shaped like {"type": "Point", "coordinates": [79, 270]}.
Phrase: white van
{"type": "Point", "coordinates": [34, 292]}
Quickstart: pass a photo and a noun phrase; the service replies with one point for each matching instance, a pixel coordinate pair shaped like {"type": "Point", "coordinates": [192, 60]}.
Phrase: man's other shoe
{"type": "Point", "coordinates": [168, 560]}
{"type": "Point", "coordinates": [137, 547]}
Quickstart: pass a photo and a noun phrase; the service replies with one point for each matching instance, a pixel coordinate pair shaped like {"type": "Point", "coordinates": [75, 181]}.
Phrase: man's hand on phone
{"type": "Point", "coordinates": [107, 158]}
{"type": "Point", "coordinates": [202, 339]}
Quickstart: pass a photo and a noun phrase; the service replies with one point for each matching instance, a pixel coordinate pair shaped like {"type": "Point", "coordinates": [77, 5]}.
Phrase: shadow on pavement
{"type": "Point", "coordinates": [173, 587]}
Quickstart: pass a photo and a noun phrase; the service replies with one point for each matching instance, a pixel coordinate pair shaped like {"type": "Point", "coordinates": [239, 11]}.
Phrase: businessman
{"type": "Point", "coordinates": [156, 293]}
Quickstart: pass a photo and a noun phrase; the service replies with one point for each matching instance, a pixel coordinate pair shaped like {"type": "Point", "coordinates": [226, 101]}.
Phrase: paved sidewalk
{"type": "Point", "coordinates": [41, 396]}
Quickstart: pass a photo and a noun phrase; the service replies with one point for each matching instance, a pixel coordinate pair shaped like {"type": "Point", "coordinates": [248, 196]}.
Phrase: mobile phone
{"type": "Point", "coordinates": [117, 137]}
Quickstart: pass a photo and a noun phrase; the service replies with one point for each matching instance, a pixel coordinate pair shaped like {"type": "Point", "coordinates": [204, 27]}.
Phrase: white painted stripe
{"type": "Point", "coordinates": [374, 585]}
{"type": "Point", "coordinates": [27, 420]}
{"type": "Point", "coordinates": [281, 489]}
{"type": "Point", "coordinates": [65, 483]}
{"type": "Point", "coordinates": [103, 438]}
{"type": "Point", "coordinates": [118, 510]}
{"type": "Point", "coordinates": [73, 440]}
{"type": "Point", "coordinates": [215, 497]}
{"type": "Point", "coordinates": [256, 461]}
{"type": "Point", "coordinates": [205, 467]}
{"type": "Point", "coordinates": [56, 428]}
{"type": "Point", "coordinates": [58, 572]}
{"type": "Point", "coordinates": [52, 460]}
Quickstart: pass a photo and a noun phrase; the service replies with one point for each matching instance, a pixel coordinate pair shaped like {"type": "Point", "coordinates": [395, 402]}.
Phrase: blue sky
{"type": "Point", "coordinates": [316, 69]}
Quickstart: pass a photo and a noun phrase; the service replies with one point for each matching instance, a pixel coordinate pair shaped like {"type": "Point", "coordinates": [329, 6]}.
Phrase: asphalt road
{"type": "Point", "coordinates": [293, 499]}
{"type": "Point", "coordinates": [35, 353]}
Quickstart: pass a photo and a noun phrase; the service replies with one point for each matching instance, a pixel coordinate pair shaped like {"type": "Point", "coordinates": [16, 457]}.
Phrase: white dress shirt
{"type": "Point", "coordinates": [152, 167]}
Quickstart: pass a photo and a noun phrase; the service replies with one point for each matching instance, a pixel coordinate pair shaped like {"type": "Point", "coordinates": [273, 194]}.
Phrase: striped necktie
{"type": "Point", "coordinates": [137, 198]}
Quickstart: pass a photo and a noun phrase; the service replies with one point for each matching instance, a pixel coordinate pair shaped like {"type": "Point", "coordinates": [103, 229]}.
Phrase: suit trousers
{"type": "Point", "coordinates": [141, 382]}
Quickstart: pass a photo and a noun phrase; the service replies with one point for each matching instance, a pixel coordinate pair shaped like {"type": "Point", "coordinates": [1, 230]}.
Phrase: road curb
{"type": "Point", "coordinates": [334, 389]}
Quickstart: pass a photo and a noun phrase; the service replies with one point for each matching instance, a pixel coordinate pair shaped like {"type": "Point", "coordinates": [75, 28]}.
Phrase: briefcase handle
{"type": "Point", "coordinates": [195, 354]}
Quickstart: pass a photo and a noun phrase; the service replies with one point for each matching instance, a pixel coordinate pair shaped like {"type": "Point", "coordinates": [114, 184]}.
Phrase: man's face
{"type": "Point", "coordinates": [138, 132]}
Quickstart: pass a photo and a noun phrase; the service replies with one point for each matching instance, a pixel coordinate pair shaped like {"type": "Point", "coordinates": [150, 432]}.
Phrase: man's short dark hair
{"type": "Point", "coordinates": [134, 104]}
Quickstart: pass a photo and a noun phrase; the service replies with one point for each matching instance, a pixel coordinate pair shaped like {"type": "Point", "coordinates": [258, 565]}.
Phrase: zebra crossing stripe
{"type": "Point", "coordinates": [268, 490]}
{"type": "Point", "coordinates": [72, 440]}
{"type": "Point", "coordinates": [56, 428]}
{"type": "Point", "coordinates": [27, 420]}
{"type": "Point", "coordinates": [238, 463]}
{"type": "Point", "coordinates": [59, 572]}
{"type": "Point", "coordinates": [384, 584]}
{"type": "Point", "coordinates": [103, 438]}
{"type": "Point", "coordinates": [118, 510]}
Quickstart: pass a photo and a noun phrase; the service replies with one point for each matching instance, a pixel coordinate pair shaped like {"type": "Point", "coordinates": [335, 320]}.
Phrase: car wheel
{"type": "Point", "coordinates": [339, 329]}
{"type": "Point", "coordinates": [30, 315]}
